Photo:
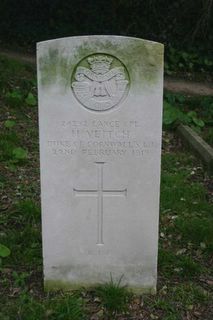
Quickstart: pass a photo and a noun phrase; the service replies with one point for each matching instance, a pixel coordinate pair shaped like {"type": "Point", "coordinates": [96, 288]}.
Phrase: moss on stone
{"type": "Point", "coordinates": [54, 285]}
{"type": "Point", "coordinates": [54, 67]}
{"type": "Point", "coordinates": [143, 59]}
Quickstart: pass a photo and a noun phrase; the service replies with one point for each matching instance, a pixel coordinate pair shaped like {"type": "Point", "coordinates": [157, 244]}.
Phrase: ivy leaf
{"type": "Point", "coordinates": [30, 99]}
{"type": "Point", "coordinates": [192, 114]}
{"type": "Point", "coordinates": [19, 154]}
{"type": "Point", "coordinates": [169, 114]}
{"type": "Point", "coordinates": [180, 98]}
{"type": "Point", "coordinates": [4, 251]}
{"type": "Point", "coordinates": [198, 122]}
{"type": "Point", "coordinates": [9, 123]}
{"type": "Point", "coordinates": [14, 98]}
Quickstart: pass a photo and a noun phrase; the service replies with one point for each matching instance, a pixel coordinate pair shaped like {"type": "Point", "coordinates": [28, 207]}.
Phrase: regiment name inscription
{"type": "Point", "coordinates": [102, 138]}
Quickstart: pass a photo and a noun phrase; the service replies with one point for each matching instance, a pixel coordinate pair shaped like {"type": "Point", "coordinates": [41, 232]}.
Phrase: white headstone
{"type": "Point", "coordinates": [100, 116]}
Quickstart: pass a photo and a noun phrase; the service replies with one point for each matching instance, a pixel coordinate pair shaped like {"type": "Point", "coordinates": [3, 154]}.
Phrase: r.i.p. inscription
{"type": "Point", "coordinates": [100, 110]}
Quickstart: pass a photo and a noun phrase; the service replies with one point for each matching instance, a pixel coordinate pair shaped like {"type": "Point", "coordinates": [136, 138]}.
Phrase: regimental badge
{"type": "Point", "coordinates": [100, 82]}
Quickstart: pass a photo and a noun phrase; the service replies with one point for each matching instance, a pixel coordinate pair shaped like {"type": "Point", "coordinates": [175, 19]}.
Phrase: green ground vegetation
{"type": "Point", "coordinates": [185, 275]}
{"type": "Point", "coordinates": [197, 112]}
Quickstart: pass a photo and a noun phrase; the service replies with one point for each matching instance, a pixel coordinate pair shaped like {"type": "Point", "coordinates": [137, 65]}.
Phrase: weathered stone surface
{"type": "Point", "coordinates": [100, 110]}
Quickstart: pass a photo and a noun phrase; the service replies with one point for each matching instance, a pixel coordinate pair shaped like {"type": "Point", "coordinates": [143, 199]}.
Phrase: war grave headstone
{"type": "Point", "coordinates": [100, 118]}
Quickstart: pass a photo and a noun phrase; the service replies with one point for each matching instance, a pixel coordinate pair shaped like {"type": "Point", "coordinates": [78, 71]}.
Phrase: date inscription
{"type": "Point", "coordinates": [101, 138]}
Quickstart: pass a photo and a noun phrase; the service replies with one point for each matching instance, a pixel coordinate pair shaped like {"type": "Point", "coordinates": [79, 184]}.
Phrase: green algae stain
{"type": "Point", "coordinates": [55, 68]}
{"type": "Point", "coordinates": [143, 60]}
{"type": "Point", "coordinates": [47, 66]}
{"type": "Point", "coordinates": [55, 285]}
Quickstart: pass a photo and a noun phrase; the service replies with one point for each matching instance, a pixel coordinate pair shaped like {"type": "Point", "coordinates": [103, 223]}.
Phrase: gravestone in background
{"type": "Point", "coordinates": [100, 112]}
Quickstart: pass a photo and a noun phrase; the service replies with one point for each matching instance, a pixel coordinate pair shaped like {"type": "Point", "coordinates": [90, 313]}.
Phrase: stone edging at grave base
{"type": "Point", "coordinates": [203, 150]}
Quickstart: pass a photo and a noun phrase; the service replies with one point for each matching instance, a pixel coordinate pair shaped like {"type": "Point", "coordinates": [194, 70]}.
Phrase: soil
{"type": "Point", "coordinates": [22, 57]}
{"type": "Point", "coordinates": [188, 87]}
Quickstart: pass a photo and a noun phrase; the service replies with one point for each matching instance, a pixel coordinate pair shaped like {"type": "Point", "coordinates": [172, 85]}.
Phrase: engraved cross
{"type": "Point", "coordinates": [99, 193]}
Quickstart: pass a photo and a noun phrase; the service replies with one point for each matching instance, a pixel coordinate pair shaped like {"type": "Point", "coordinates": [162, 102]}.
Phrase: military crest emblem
{"type": "Point", "coordinates": [100, 82]}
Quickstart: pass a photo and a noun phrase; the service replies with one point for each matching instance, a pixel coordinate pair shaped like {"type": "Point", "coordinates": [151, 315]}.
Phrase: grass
{"type": "Point", "coordinates": [201, 110]}
{"type": "Point", "coordinates": [63, 308]}
{"type": "Point", "coordinates": [179, 266]}
{"type": "Point", "coordinates": [186, 228]}
{"type": "Point", "coordinates": [114, 298]}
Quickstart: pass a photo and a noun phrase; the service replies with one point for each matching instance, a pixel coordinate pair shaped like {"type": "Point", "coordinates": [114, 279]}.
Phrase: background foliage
{"type": "Point", "coordinates": [180, 23]}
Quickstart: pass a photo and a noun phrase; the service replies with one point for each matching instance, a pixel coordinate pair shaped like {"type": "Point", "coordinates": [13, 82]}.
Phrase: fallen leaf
{"type": "Point", "coordinates": [181, 251]}
{"type": "Point", "coordinates": [209, 282]}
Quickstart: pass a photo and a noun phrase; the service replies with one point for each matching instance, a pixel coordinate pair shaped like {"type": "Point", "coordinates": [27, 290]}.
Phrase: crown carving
{"type": "Point", "coordinates": [100, 64]}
